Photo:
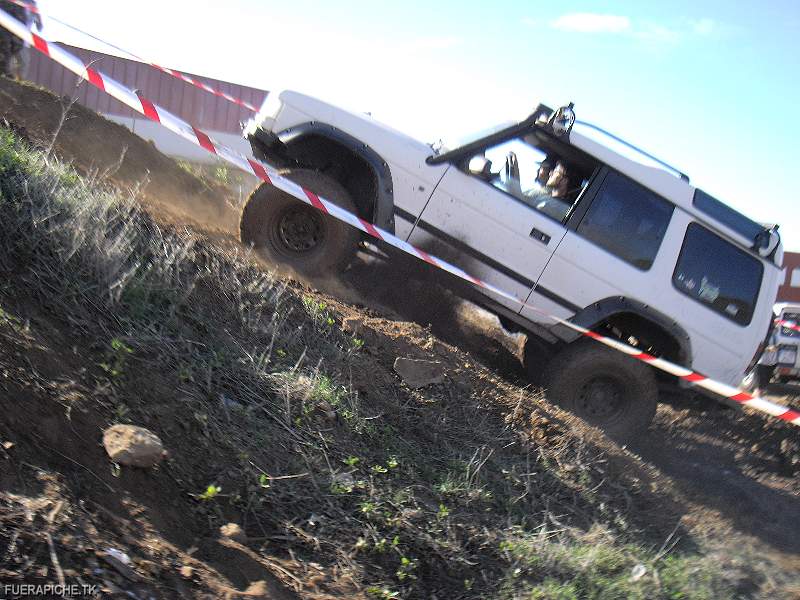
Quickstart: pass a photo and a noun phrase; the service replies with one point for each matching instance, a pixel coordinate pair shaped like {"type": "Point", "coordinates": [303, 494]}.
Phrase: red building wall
{"type": "Point", "coordinates": [185, 100]}
{"type": "Point", "coordinates": [789, 292]}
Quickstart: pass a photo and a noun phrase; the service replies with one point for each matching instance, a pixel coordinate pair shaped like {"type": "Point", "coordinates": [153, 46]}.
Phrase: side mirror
{"type": "Point", "coordinates": [479, 165]}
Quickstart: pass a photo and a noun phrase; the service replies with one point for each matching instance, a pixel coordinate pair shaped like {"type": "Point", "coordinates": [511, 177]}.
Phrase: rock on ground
{"type": "Point", "coordinates": [234, 532]}
{"type": "Point", "coordinates": [133, 446]}
{"type": "Point", "coordinates": [418, 373]}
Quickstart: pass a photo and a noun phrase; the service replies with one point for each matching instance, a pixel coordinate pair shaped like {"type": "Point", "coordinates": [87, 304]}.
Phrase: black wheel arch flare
{"type": "Point", "coordinates": [383, 209]}
{"type": "Point", "coordinates": [602, 310]}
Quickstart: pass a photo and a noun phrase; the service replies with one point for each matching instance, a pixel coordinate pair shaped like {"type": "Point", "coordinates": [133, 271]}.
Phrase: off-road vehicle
{"type": "Point", "coordinates": [547, 210]}
{"type": "Point", "coordinates": [780, 358]}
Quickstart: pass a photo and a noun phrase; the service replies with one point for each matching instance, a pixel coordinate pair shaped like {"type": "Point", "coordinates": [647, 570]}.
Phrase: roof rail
{"type": "Point", "coordinates": [669, 167]}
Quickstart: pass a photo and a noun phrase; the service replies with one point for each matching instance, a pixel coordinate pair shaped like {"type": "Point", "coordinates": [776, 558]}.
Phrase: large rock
{"type": "Point", "coordinates": [419, 373]}
{"type": "Point", "coordinates": [133, 446]}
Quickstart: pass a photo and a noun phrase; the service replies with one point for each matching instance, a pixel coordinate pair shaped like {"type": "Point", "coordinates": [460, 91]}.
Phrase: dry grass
{"type": "Point", "coordinates": [283, 422]}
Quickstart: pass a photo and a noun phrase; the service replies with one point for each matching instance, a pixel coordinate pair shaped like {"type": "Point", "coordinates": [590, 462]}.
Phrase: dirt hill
{"type": "Point", "coordinates": [282, 413]}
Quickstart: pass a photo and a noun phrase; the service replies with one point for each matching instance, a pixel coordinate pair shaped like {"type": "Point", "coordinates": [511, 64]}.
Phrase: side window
{"type": "Point", "coordinates": [542, 180]}
{"type": "Point", "coordinates": [628, 220]}
{"type": "Point", "coordinates": [717, 274]}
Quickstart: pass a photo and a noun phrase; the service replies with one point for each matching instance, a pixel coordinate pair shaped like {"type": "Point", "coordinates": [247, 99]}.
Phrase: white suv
{"type": "Point", "coordinates": [549, 214]}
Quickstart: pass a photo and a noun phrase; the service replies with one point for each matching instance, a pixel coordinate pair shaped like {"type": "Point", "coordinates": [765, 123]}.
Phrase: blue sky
{"type": "Point", "coordinates": [710, 86]}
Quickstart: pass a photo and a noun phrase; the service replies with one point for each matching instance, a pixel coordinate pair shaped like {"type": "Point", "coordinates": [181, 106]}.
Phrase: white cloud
{"type": "Point", "coordinates": [703, 26]}
{"type": "Point", "coordinates": [646, 31]}
{"type": "Point", "coordinates": [435, 43]}
{"type": "Point", "coordinates": [653, 32]}
{"type": "Point", "coordinates": [592, 23]}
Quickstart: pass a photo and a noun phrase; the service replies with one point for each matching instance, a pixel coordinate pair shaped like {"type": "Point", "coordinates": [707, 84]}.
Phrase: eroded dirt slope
{"type": "Point", "coordinates": [110, 152]}
{"type": "Point", "coordinates": [713, 475]}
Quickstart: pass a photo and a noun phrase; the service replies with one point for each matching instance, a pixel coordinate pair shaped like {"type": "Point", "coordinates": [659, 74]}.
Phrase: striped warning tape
{"type": "Point", "coordinates": [787, 324]}
{"type": "Point", "coordinates": [31, 7]}
{"type": "Point", "coordinates": [177, 74]}
{"type": "Point", "coordinates": [266, 174]}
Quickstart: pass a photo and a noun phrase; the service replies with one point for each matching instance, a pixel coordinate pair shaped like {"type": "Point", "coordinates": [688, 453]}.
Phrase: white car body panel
{"type": "Point", "coordinates": [459, 202]}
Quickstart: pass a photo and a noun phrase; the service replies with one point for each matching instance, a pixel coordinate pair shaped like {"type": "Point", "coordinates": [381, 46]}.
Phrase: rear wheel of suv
{"type": "Point", "coordinates": [289, 232]}
{"type": "Point", "coordinates": [608, 389]}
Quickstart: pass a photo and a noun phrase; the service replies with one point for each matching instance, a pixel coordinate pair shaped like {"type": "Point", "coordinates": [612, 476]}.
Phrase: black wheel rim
{"type": "Point", "coordinates": [602, 399]}
{"type": "Point", "coordinates": [298, 230]}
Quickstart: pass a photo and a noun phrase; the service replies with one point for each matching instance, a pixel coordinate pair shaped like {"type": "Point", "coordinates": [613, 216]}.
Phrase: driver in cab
{"type": "Point", "coordinates": [549, 193]}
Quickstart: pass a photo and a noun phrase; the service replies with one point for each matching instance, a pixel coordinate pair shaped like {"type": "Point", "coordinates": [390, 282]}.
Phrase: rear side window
{"type": "Point", "coordinates": [719, 275]}
{"type": "Point", "coordinates": [628, 220]}
{"type": "Point", "coordinates": [726, 215]}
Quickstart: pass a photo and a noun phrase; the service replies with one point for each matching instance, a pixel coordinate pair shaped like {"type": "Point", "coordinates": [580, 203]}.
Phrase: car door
{"type": "Point", "coordinates": [610, 250]}
{"type": "Point", "coordinates": [487, 226]}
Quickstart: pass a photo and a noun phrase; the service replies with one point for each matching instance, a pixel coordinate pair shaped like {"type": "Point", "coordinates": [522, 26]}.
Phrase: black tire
{"type": "Point", "coordinates": [286, 231]}
{"type": "Point", "coordinates": [606, 388]}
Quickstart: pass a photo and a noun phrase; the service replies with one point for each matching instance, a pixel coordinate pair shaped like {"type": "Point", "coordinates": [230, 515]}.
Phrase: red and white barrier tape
{"type": "Point", "coordinates": [194, 135]}
{"type": "Point", "coordinates": [787, 324]}
{"type": "Point", "coordinates": [202, 86]}
{"type": "Point", "coordinates": [31, 7]}
{"type": "Point", "coordinates": [177, 74]}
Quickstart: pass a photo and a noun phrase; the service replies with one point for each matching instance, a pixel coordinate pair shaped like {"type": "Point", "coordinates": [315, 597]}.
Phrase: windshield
{"type": "Point", "coordinates": [453, 143]}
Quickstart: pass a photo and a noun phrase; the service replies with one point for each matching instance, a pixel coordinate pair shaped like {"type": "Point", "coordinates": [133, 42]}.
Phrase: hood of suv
{"type": "Point", "coordinates": [393, 146]}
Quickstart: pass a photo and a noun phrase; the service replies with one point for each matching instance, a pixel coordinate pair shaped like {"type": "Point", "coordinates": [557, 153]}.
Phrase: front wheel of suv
{"type": "Point", "coordinates": [286, 231]}
{"type": "Point", "coordinates": [609, 390]}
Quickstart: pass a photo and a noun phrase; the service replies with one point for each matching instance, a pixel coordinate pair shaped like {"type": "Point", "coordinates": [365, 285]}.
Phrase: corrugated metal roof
{"type": "Point", "coordinates": [188, 102]}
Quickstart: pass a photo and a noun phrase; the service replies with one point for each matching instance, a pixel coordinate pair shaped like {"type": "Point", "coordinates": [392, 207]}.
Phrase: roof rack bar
{"type": "Point", "coordinates": [678, 172]}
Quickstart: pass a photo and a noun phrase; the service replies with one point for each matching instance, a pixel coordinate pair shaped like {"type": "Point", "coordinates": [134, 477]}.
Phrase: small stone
{"type": "Point", "coordinates": [257, 589]}
{"type": "Point", "coordinates": [327, 410]}
{"type": "Point", "coordinates": [638, 572]}
{"type": "Point", "coordinates": [345, 480]}
{"type": "Point", "coordinates": [120, 562]}
{"type": "Point", "coordinates": [133, 446]}
{"type": "Point", "coordinates": [149, 567]}
{"type": "Point", "coordinates": [354, 325]}
{"type": "Point", "coordinates": [234, 532]}
{"type": "Point", "coordinates": [419, 373]}
{"type": "Point", "coordinates": [186, 571]}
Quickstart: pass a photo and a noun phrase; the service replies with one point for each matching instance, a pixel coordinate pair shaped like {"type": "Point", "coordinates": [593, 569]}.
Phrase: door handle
{"type": "Point", "coordinates": [540, 236]}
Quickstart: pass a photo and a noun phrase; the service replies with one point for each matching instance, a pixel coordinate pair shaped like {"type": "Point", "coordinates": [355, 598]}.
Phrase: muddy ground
{"type": "Point", "coordinates": [735, 473]}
